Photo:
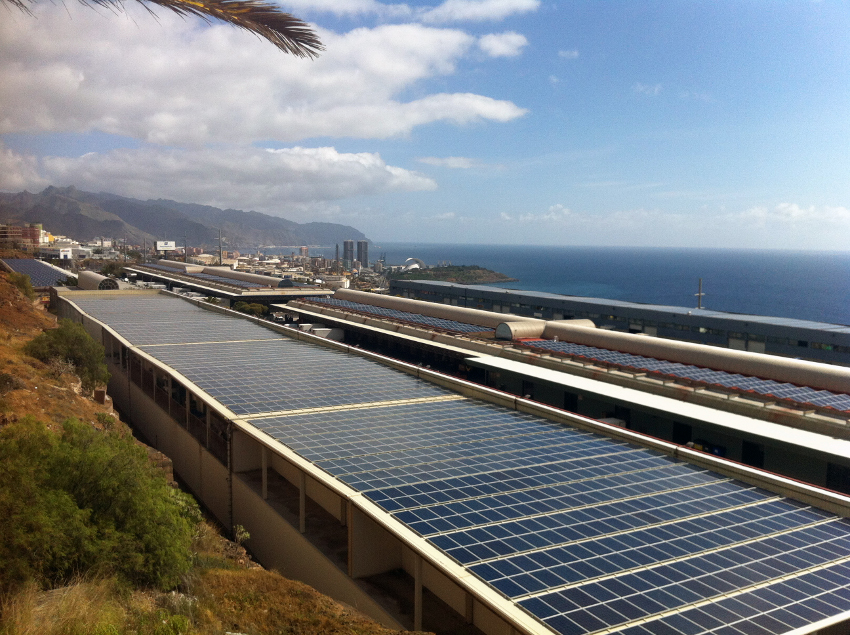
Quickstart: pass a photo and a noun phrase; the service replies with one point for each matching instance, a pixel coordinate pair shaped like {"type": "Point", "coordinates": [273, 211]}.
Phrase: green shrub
{"type": "Point", "coordinates": [71, 342]}
{"type": "Point", "coordinates": [87, 502]}
{"type": "Point", "coordinates": [23, 283]}
{"type": "Point", "coordinates": [251, 309]}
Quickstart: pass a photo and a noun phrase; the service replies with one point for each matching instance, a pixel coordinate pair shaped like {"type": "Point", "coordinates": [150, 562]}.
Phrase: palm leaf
{"type": "Point", "coordinates": [266, 20]}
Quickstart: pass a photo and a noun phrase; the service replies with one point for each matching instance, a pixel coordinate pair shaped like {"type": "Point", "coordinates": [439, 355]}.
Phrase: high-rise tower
{"type": "Point", "coordinates": [363, 253]}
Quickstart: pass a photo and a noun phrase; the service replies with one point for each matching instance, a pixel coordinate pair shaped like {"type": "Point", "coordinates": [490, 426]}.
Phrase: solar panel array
{"type": "Point", "coordinates": [41, 274]}
{"type": "Point", "coordinates": [585, 533]}
{"type": "Point", "coordinates": [452, 326]}
{"type": "Point", "coordinates": [212, 278]}
{"type": "Point", "coordinates": [707, 376]}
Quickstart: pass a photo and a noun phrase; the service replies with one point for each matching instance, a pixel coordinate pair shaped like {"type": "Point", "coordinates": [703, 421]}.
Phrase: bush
{"type": "Point", "coordinates": [251, 309]}
{"type": "Point", "coordinates": [23, 283]}
{"type": "Point", "coordinates": [87, 502]}
{"type": "Point", "coordinates": [71, 342]}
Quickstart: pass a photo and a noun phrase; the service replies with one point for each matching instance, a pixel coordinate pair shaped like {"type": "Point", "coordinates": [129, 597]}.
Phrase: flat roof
{"type": "Point", "coordinates": [586, 533]}
{"type": "Point", "coordinates": [602, 303]}
{"type": "Point", "coordinates": [739, 423]}
{"type": "Point", "coordinates": [42, 274]}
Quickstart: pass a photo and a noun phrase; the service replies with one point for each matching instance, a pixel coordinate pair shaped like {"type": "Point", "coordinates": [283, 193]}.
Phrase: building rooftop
{"type": "Point", "coordinates": [41, 274]}
{"type": "Point", "coordinates": [582, 532]}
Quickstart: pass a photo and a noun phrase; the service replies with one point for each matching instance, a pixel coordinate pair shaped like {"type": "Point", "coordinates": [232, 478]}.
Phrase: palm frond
{"type": "Point", "coordinates": [266, 20]}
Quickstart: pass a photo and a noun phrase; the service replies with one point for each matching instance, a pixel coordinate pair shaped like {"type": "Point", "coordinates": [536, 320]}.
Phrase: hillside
{"type": "Point", "coordinates": [86, 215]}
{"type": "Point", "coordinates": [224, 591]}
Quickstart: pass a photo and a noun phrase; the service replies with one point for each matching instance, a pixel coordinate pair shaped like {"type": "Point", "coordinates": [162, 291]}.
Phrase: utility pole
{"type": "Point", "coordinates": [185, 249]}
{"type": "Point", "coordinates": [220, 261]}
{"type": "Point", "coordinates": [125, 247]}
{"type": "Point", "coordinates": [699, 295]}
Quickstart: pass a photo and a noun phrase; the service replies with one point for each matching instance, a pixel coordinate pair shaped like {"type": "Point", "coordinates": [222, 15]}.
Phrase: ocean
{"type": "Point", "coordinates": [794, 284]}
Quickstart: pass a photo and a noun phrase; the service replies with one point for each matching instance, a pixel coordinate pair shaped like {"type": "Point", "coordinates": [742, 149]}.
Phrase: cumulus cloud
{"type": "Point", "coordinates": [477, 10]}
{"type": "Point", "coordinates": [108, 73]}
{"type": "Point", "coordinates": [568, 55]}
{"type": "Point", "coordinates": [19, 172]}
{"type": "Point", "coordinates": [271, 181]}
{"type": "Point", "coordinates": [508, 44]}
{"type": "Point", "coordinates": [647, 89]}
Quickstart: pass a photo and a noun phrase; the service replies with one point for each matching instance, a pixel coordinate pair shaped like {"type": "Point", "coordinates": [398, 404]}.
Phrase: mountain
{"type": "Point", "coordinates": [86, 215]}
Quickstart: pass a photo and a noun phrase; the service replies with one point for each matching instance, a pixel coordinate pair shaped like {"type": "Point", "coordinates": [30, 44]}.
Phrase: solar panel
{"type": "Point", "coordinates": [766, 387]}
{"type": "Point", "coordinates": [584, 532]}
{"type": "Point", "coordinates": [404, 316]}
{"type": "Point", "coordinates": [208, 277]}
{"type": "Point", "coordinates": [41, 274]}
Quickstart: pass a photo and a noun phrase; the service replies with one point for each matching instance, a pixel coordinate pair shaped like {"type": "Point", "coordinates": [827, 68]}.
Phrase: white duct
{"type": "Point", "coordinates": [487, 319]}
{"type": "Point", "coordinates": [186, 267]}
{"type": "Point", "coordinates": [92, 281]}
{"type": "Point", "coordinates": [535, 329]}
{"type": "Point", "coordinates": [227, 272]}
{"type": "Point", "coordinates": [795, 371]}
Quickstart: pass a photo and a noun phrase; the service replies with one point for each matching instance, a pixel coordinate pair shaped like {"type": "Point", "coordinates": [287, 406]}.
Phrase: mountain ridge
{"type": "Point", "coordinates": [86, 215]}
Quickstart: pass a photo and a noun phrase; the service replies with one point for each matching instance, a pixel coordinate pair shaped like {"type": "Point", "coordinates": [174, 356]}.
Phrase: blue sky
{"type": "Point", "coordinates": [719, 124]}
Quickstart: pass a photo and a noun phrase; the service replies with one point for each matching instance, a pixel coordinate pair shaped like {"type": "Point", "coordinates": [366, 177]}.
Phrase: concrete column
{"type": "Point", "coordinates": [265, 467]}
{"type": "Point", "coordinates": [302, 502]}
{"type": "Point", "coordinates": [417, 593]}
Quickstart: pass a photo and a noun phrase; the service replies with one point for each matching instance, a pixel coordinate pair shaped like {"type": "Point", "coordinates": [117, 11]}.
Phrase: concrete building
{"type": "Point", "coordinates": [347, 254]}
{"type": "Point", "coordinates": [363, 252]}
{"type": "Point", "coordinates": [224, 283]}
{"type": "Point", "coordinates": [420, 498]}
{"type": "Point", "coordinates": [787, 337]}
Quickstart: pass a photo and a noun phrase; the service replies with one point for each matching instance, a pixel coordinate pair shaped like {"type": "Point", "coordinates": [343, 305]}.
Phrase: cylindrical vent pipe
{"type": "Point", "coordinates": [486, 319]}
{"type": "Point", "coordinates": [535, 329]}
{"type": "Point", "coordinates": [92, 281]}
{"type": "Point", "coordinates": [186, 267]}
{"type": "Point", "coordinates": [227, 272]}
{"type": "Point", "coordinates": [795, 371]}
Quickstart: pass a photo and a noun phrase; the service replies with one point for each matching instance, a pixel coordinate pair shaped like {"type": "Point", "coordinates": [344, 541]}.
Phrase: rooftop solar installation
{"type": "Point", "coordinates": [585, 533]}
{"type": "Point", "coordinates": [708, 376]}
{"type": "Point", "coordinates": [41, 274]}
{"type": "Point", "coordinates": [404, 316]}
{"type": "Point", "coordinates": [208, 277]}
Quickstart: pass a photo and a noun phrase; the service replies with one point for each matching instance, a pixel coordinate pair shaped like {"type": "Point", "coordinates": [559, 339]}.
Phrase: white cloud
{"type": "Point", "coordinates": [19, 172]}
{"type": "Point", "coordinates": [507, 44]}
{"type": "Point", "coordinates": [272, 181]}
{"type": "Point", "coordinates": [448, 11]}
{"type": "Point", "coordinates": [647, 89]}
{"type": "Point", "coordinates": [568, 55]}
{"type": "Point", "coordinates": [477, 10]}
{"type": "Point", "coordinates": [787, 225]}
{"type": "Point", "coordinates": [553, 79]}
{"type": "Point", "coordinates": [349, 7]}
{"type": "Point", "coordinates": [457, 163]}
{"type": "Point", "coordinates": [173, 81]}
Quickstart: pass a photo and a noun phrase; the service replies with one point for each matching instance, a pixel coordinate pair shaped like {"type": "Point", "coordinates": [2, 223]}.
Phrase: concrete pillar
{"type": "Point", "coordinates": [302, 502]}
{"type": "Point", "coordinates": [417, 593]}
{"type": "Point", "coordinates": [265, 467]}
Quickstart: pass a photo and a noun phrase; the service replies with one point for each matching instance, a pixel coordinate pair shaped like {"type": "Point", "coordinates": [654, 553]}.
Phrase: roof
{"type": "Point", "coordinates": [603, 304]}
{"type": "Point", "coordinates": [41, 274]}
{"type": "Point", "coordinates": [586, 533]}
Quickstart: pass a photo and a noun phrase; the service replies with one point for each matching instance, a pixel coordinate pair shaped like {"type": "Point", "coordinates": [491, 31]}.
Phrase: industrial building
{"type": "Point", "coordinates": [787, 337]}
{"type": "Point", "coordinates": [753, 408]}
{"type": "Point", "coordinates": [223, 283]}
{"type": "Point", "coordinates": [419, 497]}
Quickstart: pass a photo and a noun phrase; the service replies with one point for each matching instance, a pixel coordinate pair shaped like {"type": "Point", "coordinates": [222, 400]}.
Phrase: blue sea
{"type": "Point", "coordinates": [795, 284]}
